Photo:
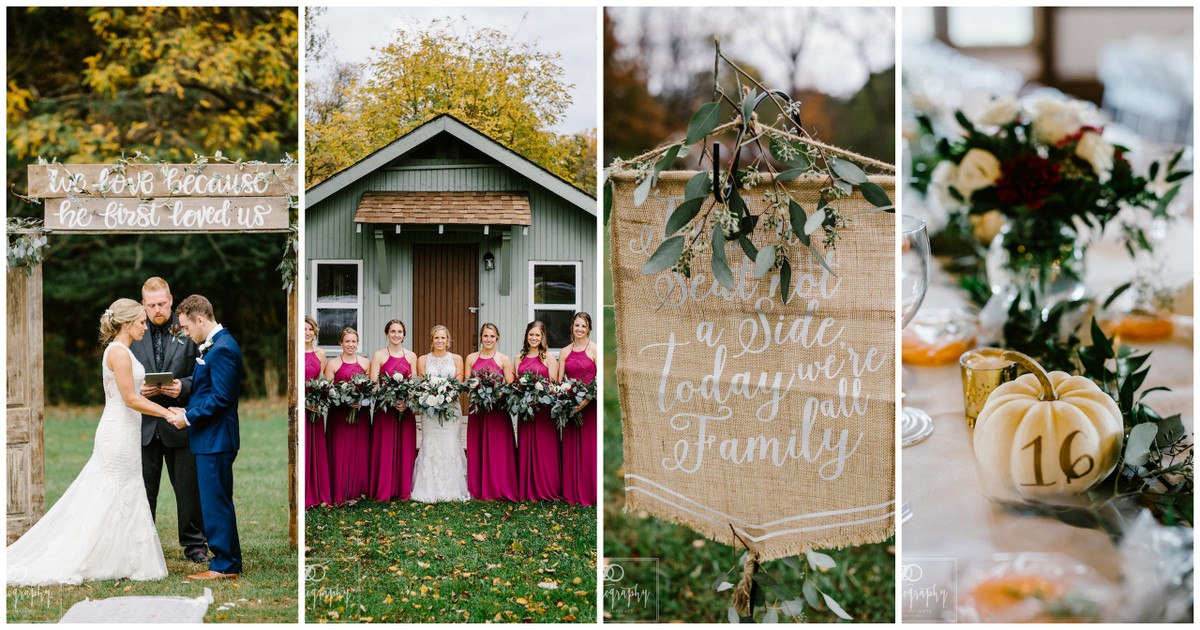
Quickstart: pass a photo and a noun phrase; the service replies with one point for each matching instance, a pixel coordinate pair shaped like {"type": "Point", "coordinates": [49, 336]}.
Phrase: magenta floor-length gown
{"type": "Point", "coordinates": [349, 446]}
{"type": "Point", "coordinates": [316, 452]}
{"type": "Point", "coordinates": [579, 441]}
{"type": "Point", "coordinates": [491, 451]}
{"type": "Point", "coordinates": [539, 475]}
{"type": "Point", "coordinates": [393, 444]}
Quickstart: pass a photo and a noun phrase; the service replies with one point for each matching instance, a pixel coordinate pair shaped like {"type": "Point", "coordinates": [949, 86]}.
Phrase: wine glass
{"type": "Point", "coordinates": [915, 425]}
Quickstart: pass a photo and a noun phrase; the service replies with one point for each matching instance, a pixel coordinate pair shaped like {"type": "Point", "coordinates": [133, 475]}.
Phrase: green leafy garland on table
{"type": "Point", "coordinates": [27, 240]}
{"type": "Point", "coordinates": [687, 233]}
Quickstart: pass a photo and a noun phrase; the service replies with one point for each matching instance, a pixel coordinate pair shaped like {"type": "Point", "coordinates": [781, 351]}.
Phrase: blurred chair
{"type": "Point", "coordinates": [1148, 86]}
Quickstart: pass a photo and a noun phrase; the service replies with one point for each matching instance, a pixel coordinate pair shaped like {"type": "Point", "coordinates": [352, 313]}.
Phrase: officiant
{"type": "Point", "coordinates": [166, 350]}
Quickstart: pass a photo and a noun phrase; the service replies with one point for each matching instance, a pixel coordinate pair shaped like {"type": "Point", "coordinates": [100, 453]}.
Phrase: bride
{"type": "Point", "coordinates": [101, 528]}
{"type": "Point", "coordinates": [440, 472]}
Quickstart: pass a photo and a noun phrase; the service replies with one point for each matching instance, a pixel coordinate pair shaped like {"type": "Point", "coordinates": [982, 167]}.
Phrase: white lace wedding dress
{"type": "Point", "coordinates": [101, 528]}
{"type": "Point", "coordinates": [440, 473]}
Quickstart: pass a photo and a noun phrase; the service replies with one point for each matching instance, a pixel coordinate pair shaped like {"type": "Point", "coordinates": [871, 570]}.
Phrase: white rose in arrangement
{"type": "Point", "coordinates": [539, 387]}
{"type": "Point", "coordinates": [436, 400]}
{"type": "Point", "coordinates": [940, 180]}
{"type": "Point", "coordinates": [977, 170]}
{"type": "Point", "coordinates": [427, 400]}
{"type": "Point", "coordinates": [1054, 120]}
{"type": "Point", "coordinates": [1000, 111]}
{"type": "Point", "coordinates": [1098, 152]}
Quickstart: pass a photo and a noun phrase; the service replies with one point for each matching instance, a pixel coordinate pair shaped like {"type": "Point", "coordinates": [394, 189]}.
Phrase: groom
{"type": "Point", "coordinates": [212, 415]}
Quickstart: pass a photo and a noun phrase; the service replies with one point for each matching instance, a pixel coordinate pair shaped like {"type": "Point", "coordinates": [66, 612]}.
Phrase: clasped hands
{"type": "Point", "coordinates": [175, 415]}
{"type": "Point", "coordinates": [173, 390]}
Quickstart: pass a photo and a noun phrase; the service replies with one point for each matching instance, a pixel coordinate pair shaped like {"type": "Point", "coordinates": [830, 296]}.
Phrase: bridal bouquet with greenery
{"type": "Point", "coordinates": [393, 388]}
{"type": "Point", "coordinates": [318, 398]}
{"type": "Point", "coordinates": [436, 397]}
{"type": "Point", "coordinates": [356, 393]}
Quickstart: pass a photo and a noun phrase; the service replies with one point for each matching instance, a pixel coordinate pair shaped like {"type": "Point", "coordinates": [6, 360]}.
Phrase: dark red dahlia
{"type": "Point", "coordinates": [1027, 180]}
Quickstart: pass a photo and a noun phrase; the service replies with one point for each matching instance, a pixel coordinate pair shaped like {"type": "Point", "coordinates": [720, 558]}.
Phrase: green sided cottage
{"type": "Point", "coordinates": [447, 226]}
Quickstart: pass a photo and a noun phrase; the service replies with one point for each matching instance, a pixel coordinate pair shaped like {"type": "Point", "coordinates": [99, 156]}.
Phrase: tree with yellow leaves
{"type": "Point", "coordinates": [507, 90]}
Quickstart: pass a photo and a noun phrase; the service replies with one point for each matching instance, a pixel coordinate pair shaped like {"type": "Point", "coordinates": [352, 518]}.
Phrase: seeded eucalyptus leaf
{"type": "Point", "coordinates": [814, 221]}
{"type": "Point", "coordinates": [732, 613]}
{"type": "Point", "coordinates": [821, 259]}
{"type": "Point", "coordinates": [848, 171]}
{"type": "Point", "coordinates": [683, 215]}
{"type": "Point", "coordinates": [785, 281]}
{"type": "Point", "coordinates": [703, 122]}
{"type": "Point", "coordinates": [1169, 431]}
{"type": "Point", "coordinates": [667, 160]}
{"type": "Point", "coordinates": [818, 560]}
{"type": "Point", "coordinates": [748, 247]}
{"type": "Point", "coordinates": [844, 186]}
{"type": "Point", "coordinates": [875, 194]}
{"type": "Point", "coordinates": [811, 595]}
{"type": "Point", "coordinates": [748, 107]}
{"type": "Point", "coordinates": [608, 202]}
{"type": "Point", "coordinates": [792, 607]}
{"type": "Point", "coordinates": [736, 205]}
{"type": "Point", "coordinates": [789, 175]}
{"type": "Point", "coordinates": [698, 187]}
{"type": "Point", "coordinates": [799, 220]}
{"type": "Point", "coordinates": [771, 616]}
{"type": "Point", "coordinates": [720, 264]}
{"type": "Point", "coordinates": [790, 153]}
{"type": "Point", "coordinates": [642, 191]}
{"type": "Point", "coordinates": [1137, 450]}
{"type": "Point", "coordinates": [665, 256]}
{"type": "Point", "coordinates": [764, 262]}
{"type": "Point", "coordinates": [835, 607]}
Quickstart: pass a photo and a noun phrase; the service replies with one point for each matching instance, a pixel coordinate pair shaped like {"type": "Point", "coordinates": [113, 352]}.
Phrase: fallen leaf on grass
{"type": "Point", "coordinates": [551, 586]}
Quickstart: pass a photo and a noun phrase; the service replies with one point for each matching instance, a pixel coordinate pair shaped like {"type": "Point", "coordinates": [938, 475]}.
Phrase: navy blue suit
{"type": "Point", "coordinates": [212, 413]}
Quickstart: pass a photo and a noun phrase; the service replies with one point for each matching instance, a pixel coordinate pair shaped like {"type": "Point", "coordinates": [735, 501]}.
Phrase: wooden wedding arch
{"type": "Point", "coordinates": [127, 198]}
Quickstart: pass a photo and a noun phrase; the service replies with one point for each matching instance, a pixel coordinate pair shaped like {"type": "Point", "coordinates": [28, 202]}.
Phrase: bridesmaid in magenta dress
{"type": "Point", "coordinates": [316, 454]}
{"type": "Point", "coordinates": [491, 451]}
{"type": "Point", "coordinates": [539, 475]}
{"type": "Point", "coordinates": [393, 430]}
{"type": "Point", "coordinates": [349, 444]}
{"type": "Point", "coordinates": [578, 361]}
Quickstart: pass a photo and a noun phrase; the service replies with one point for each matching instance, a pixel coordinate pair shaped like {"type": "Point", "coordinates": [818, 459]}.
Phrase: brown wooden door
{"type": "Point", "coordinates": [446, 291]}
{"type": "Point", "coordinates": [26, 405]}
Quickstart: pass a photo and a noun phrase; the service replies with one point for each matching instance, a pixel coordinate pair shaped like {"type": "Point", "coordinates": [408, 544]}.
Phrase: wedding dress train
{"type": "Point", "coordinates": [101, 528]}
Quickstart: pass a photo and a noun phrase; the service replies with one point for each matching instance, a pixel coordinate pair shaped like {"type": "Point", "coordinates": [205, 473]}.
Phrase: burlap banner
{"type": "Point", "coordinates": [743, 414]}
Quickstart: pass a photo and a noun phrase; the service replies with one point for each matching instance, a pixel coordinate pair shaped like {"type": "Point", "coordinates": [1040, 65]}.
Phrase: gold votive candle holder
{"type": "Point", "coordinates": [983, 370]}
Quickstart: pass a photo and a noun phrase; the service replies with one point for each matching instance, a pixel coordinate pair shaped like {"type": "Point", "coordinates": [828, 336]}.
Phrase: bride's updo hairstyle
{"type": "Point", "coordinates": [541, 349]}
{"type": "Point", "coordinates": [119, 313]}
{"type": "Point", "coordinates": [449, 339]}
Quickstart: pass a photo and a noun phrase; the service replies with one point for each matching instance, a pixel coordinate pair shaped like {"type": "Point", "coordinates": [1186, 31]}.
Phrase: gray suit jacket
{"type": "Point", "coordinates": [179, 358]}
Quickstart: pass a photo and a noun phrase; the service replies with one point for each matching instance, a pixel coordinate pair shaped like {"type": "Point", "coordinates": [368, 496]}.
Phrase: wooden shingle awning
{"type": "Point", "coordinates": [449, 208]}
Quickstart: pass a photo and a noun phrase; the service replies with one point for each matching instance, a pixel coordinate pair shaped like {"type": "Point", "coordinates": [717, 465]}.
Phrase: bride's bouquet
{"type": "Point", "coordinates": [568, 395]}
{"type": "Point", "coordinates": [435, 397]}
{"type": "Point", "coordinates": [318, 397]}
{"type": "Point", "coordinates": [484, 390]}
{"type": "Point", "coordinates": [529, 393]}
{"type": "Point", "coordinates": [393, 388]}
{"type": "Point", "coordinates": [359, 390]}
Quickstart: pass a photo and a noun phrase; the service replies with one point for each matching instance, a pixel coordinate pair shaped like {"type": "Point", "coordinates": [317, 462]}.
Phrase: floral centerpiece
{"type": "Point", "coordinates": [568, 395]}
{"type": "Point", "coordinates": [484, 390]}
{"type": "Point", "coordinates": [356, 393]}
{"type": "Point", "coordinates": [435, 397]}
{"type": "Point", "coordinates": [528, 394]}
{"type": "Point", "coordinates": [318, 398]}
{"type": "Point", "coordinates": [393, 388]}
{"type": "Point", "coordinates": [1048, 170]}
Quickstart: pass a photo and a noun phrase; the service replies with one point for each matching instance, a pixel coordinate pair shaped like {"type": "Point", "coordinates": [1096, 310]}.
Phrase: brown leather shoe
{"type": "Point", "coordinates": [212, 575]}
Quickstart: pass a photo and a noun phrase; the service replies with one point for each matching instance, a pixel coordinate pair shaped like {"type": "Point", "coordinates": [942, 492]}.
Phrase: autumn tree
{"type": "Point", "coordinates": [507, 90]}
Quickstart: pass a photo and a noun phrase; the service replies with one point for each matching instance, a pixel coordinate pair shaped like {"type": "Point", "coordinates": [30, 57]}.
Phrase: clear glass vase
{"type": "Point", "coordinates": [1040, 268]}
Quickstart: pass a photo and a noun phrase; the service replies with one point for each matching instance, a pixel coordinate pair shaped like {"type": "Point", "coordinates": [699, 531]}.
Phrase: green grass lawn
{"type": "Point", "coordinates": [475, 561]}
{"type": "Point", "coordinates": [267, 592]}
{"type": "Point", "coordinates": [683, 568]}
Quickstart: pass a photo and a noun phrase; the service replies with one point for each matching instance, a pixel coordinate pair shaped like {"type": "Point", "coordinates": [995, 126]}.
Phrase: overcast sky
{"type": "Point", "coordinates": [571, 32]}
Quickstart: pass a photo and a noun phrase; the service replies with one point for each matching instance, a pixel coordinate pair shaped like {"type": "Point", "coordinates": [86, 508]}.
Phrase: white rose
{"type": "Point", "coordinates": [427, 400]}
{"type": "Point", "coordinates": [539, 387]}
{"type": "Point", "coordinates": [1054, 120]}
{"type": "Point", "coordinates": [1000, 111]}
{"type": "Point", "coordinates": [1098, 152]}
{"type": "Point", "coordinates": [436, 400]}
{"type": "Point", "coordinates": [939, 184]}
{"type": "Point", "coordinates": [977, 170]}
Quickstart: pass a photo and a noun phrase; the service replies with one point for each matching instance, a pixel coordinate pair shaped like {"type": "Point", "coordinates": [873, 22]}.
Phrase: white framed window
{"type": "Point", "coordinates": [337, 298]}
{"type": "Point", "coordinates": [554, 297]}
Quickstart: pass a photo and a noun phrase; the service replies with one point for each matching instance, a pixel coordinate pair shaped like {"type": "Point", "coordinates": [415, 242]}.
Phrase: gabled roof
{"type": "Point", "coordinates": [445, 123]}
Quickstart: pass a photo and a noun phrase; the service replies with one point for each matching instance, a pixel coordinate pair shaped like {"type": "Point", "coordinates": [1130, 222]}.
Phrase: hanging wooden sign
{"type": "Point", "coordinates": [164, 197]}
{"type": "Point", "coordinates": [752, 421]}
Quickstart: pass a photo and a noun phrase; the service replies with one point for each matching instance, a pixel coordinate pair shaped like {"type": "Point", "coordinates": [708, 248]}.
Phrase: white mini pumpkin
{"type": "Point", "coordinates": [1047, 434]}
